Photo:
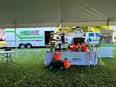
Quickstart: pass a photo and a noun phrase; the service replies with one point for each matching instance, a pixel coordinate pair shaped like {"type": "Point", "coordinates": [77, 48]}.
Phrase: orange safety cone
{"type": "Point", "coordinates": [57, 56]}
{"type": "Point", "coordinates": [67, 64]}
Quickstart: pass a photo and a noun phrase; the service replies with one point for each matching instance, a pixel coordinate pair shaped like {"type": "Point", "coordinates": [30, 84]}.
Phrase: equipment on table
{"type": "Point", "coordinates": [78, 40]}
{"type": "Point", "coordinates": [64, 55]}
{"type": "Point", "coordinates": [78, 33]}
{"type": "Point", "coordinates": [58, 41]}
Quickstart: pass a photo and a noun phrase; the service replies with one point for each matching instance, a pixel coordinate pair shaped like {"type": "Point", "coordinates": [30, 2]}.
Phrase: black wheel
{"type": "Point", "coordinates": [22, 46]}
{"type": "Point", "coordinates": [28, 46]}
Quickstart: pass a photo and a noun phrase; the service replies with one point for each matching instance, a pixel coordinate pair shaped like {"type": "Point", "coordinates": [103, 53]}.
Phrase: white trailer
{"type": "Point", "coordinates": [2, 34]}
{"type": "Point", "coordinates": [28, 37]}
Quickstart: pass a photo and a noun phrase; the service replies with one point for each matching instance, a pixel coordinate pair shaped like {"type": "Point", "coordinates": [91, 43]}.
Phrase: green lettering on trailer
{"type": "Point", "coordinates": [30, 37]}
{"type": "Point", "coordinates": [23, 32]}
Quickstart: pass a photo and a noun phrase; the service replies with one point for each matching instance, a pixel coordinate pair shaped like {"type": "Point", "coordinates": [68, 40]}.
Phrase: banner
{"type": "Point", "coordinates": [76, 58]}
{"type": "Point", "coordinates": [106, 49]}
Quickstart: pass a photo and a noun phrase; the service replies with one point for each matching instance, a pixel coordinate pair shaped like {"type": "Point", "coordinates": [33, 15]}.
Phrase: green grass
{"type": "Point", "coordinates": [28, 70]}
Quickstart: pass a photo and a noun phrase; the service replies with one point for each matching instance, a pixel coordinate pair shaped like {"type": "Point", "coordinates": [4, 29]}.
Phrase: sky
{"type": "Point", "coordinates": [113, 27]}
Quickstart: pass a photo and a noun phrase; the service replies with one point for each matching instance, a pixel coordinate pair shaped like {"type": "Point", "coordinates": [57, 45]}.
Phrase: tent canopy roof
{"type": "Point", "coordinates": [35, 13]}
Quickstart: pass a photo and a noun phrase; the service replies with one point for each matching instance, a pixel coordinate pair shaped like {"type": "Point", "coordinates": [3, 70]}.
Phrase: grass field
{"type": "Point", "coordinates": [28, 70]}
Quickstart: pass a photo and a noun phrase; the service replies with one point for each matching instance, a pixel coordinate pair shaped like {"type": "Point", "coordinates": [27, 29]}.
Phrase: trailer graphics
{"type": "Point", "coordinates": [30, 33]}
{"type": "Point", "coordinates": [28, 37]}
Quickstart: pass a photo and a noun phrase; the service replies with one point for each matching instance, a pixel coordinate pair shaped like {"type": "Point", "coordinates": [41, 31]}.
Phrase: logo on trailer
{"type": "Point", "coordinates": [29, 32]}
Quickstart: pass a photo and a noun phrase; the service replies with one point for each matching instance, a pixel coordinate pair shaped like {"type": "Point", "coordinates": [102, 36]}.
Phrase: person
{"type": "Point", "coordinates": [78, 47]}
{"type": "Point", "coordinates": [74, 47]}
{"type": "Point", "coordinates": [83, 47]}
{"type": "Point", "coordinates": [69, 47]}
{"type": "Point", "coordinates": [62, 36]}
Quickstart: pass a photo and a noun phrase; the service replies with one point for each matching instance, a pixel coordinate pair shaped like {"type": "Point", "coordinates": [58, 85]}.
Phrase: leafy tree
{"type": "Point", "coordinates": [67, 29]}
{"type": "Point", "coordinates": [85, 28]}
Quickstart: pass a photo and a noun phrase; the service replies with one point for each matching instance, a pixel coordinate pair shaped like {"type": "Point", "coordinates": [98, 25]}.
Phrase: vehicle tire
{"type": "Point", "coordinates": [28, 46]}
{"type": "Point", "coordinates": [22, 46]}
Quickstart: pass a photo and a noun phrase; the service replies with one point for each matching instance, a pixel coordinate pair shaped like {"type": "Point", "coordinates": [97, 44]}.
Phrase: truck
{"type": "Point", "coordinates": [92, 38]}
{"type": "Point", "coordinates": [28, 37]}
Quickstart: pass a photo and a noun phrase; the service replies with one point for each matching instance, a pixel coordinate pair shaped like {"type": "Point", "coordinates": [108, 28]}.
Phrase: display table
{"type": "Point", "coordinates": [6, 54]}
{"type": "Point", "coordinates": [76, 58]}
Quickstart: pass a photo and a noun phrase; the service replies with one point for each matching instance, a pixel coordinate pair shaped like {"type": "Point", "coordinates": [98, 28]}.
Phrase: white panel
{"type": "Point", "coordinates": [36, 13]}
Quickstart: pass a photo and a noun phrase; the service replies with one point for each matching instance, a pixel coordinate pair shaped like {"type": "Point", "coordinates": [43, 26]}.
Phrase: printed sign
{"type": "Point", "coordinates": [106, 49]}
{"type": "Point", "coordinates": [106, 52]}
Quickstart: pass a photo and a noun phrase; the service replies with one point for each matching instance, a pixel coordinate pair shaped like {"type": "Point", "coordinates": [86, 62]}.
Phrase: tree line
{"type": "Point", "coordinates": [85, 28]}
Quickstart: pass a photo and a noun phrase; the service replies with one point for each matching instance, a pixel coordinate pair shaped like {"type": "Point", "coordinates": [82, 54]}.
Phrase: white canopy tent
{"type": "Point", "coordinates": [35, 13]}
{"type": "Point", "coordinates": [49, 13]}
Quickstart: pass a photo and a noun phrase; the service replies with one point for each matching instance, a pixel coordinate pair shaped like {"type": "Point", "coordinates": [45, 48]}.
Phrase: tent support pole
{"type": "Point", "coordinates": [108, 22]}
{"type": "Point", "coordinates": [60, 25]}
{"type": "Point", "coordinates": [15, 41]}
{"type": "Point", "coordinates": [60, 5]}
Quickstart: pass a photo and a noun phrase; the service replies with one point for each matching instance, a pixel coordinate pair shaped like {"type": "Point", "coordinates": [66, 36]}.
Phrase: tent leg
{"type": "Point", "coordinates": [15, 41]}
